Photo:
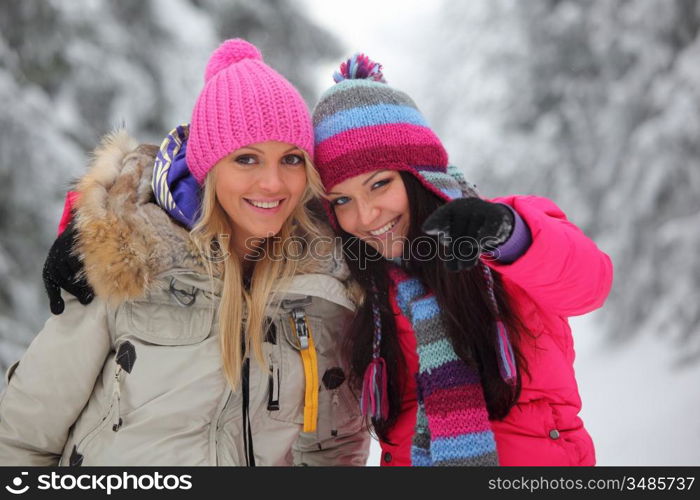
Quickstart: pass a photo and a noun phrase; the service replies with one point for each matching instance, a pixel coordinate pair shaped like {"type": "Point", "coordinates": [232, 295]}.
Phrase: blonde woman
{"type": "Point", "coordinates": [210, 340]}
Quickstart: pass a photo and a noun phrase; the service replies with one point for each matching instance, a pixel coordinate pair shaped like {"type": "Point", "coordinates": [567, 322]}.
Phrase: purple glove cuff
{"type": "Point", "coordinates": [518, 243]}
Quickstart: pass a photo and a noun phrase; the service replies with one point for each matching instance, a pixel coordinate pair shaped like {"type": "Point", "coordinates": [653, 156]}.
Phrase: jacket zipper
{"type": "Point", "coordinates": [308, 358]}
{"type": "Point", "coordinates": [273, 399]}
{"type": "Point", "coordinates": [81, 446]}
{"type": "Point", "coordinates": [247, 431]}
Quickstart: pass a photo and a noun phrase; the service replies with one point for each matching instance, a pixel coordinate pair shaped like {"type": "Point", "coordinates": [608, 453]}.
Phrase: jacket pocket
{"type": "Point", "coordinates": [287, 381]}
{"type": "Point", "coordinates": [164, 352]}
{"type": "Point", "coordinates": [97, 416]}
{"type": "Point", "coordinates": [527, 419]}
{"type": "Point", "coordinates": [339, 408]}
{"type": "Point", "coordinates": [75, 454]}
{"type": "Point", "coordinates": [536, 426]}
{"type": "Point", "coordinates": [163, 322]}
{"type": "Point", "coordinates": [299, 330]}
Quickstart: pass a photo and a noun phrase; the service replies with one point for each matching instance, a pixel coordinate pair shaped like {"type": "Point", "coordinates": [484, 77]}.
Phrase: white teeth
{"type": "Point", "coordinates": [264, 204]}
{"type": "Point", "coordinates": [384, 228]}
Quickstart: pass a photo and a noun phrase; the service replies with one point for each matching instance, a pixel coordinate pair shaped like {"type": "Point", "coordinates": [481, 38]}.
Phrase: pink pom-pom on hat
{"type": "Point", "coordinates": [228, 53]}
{"type": "Point", "coordinates": [244, 101]}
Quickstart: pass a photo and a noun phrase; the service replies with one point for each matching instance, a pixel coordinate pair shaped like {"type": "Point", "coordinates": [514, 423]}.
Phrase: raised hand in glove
{"type": "Point", "coordinates": [62, 270]}
{"type": "Point", "coordinates": [468, 227]}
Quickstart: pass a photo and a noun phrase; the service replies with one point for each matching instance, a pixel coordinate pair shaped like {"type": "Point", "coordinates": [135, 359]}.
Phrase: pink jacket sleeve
{"type": "Point", "coordinates": [563, 270]}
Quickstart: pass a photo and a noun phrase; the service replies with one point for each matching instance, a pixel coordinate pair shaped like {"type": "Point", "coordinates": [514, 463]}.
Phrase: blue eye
{"type": "Point", "coordinates": [293, 159]}
{"type": "Point", "coordinates": [381, 183]}
{"type": "Point", "coordinates": [340, 201]}
{"type": "Point", "coordinates": [246, 159]}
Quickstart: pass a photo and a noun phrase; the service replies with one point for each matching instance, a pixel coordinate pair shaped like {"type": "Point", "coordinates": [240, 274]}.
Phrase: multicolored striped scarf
{"type": "Point", "coordinates": [452, 422]}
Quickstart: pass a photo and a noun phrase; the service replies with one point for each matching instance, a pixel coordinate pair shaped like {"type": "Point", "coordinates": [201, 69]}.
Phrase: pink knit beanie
{"type": "Point", "coordinates": [243, 102]}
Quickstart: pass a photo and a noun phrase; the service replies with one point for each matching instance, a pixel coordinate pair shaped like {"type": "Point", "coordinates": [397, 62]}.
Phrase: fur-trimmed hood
{"type": "Point", "coordinates": [126, 240]}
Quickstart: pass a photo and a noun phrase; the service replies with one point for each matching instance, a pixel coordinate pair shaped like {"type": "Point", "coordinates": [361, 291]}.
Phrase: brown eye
{"type": "Point", "coordinates": [293, 160]}
{"type": "Point", "coordinates": [246, 159]}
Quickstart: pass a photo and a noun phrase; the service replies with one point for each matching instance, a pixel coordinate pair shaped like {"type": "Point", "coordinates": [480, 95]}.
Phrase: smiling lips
{"type": "Point", "coordinates": [265, 206]}
{"type": "Point", "coordinates": [385, 228]}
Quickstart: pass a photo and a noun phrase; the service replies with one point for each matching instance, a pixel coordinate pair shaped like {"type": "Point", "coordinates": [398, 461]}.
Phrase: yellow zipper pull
{"type": "Point", "coordinates": [310, 362]}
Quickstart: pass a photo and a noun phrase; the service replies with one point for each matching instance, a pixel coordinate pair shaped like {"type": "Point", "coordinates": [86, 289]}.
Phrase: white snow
{"type": "Point", "coordinates": [639, 406]}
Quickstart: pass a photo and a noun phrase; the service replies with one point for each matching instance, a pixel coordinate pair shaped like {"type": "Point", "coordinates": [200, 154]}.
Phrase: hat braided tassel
{"type": "Point", "coordinates": [375, 399]}
{"type": "Point", "coordinates": [506, 361]}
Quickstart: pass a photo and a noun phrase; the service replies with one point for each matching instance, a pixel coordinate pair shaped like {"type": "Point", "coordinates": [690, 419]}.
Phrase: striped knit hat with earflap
{"type": "Point", "coordinates": [361, 124]}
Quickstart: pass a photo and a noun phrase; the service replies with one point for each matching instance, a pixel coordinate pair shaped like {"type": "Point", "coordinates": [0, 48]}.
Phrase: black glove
{"type": "Point", "coordinates": [61, 270]}
{"type": "Point", "coordinates": [468, 227]}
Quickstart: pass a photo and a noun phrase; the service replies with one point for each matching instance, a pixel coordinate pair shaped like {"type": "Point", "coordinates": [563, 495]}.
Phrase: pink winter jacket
{"type": "Point", "coordinates": [562, 274]}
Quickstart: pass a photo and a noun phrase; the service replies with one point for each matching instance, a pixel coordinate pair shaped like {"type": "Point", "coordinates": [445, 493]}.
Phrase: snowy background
{"type": "Point", "coordinates": [594, 104]}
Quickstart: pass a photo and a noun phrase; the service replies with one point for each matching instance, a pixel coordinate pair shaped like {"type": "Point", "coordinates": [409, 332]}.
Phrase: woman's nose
{"type": "Point", "coordinates": [368, 214]}
{"type": "Point", "coordinates": [270, 179]}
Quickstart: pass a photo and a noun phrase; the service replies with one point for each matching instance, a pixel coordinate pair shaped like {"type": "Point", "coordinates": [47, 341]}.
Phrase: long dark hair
{"type": "Point", "coordinates": [463, 298]}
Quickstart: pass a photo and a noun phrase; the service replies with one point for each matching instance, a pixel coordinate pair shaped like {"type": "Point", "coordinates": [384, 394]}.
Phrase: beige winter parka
{"type": "Point", "coordinates": [135, 378]}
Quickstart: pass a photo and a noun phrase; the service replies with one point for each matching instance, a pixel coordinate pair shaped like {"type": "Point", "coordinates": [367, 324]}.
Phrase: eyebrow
{"type": "Point", "coordinates": [365, 181]}
{"type": "Point", "coordinates": [372, 176]}
{"type": "Point", "coordinates": [293, 148]}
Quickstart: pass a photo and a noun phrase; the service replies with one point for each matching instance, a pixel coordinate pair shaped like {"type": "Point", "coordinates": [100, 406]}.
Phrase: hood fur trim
{"type": "Point", "coordinates": [125, 239]}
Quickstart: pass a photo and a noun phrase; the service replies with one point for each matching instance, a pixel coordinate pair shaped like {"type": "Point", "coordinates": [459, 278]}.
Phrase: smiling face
{"type": "Point", "coordinates": [374, 207]}
{"type": "Point", "coordinates": [259, 186]}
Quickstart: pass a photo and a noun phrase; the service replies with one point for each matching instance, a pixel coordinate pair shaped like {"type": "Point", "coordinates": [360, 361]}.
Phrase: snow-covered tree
{"type": "Point", "coordinates": [73, 71]}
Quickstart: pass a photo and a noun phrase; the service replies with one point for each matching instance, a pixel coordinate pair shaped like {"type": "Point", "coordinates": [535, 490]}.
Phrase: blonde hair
{"type": "Point", "coordinates": [241, 312]}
